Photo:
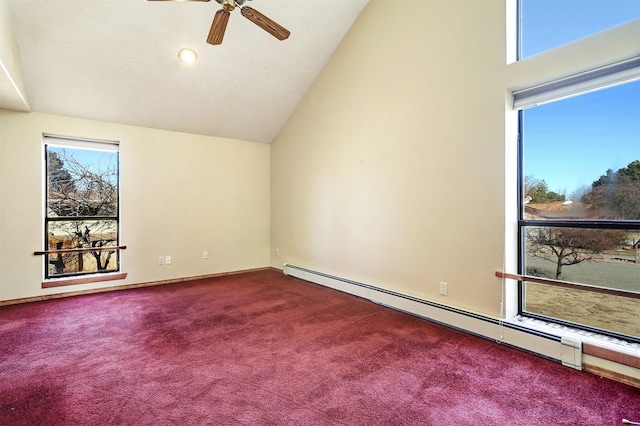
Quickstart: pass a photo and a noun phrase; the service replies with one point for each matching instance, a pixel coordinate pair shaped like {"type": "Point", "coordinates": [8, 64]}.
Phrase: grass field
{"type": "Point", "coordinates": [614, 313]}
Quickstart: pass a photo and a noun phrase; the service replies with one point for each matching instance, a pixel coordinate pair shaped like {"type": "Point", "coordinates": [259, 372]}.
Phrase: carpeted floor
{"type": "Point", "coordinates": [263, 348]}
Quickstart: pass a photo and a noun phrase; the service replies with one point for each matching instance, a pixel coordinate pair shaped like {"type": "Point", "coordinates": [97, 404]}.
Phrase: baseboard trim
{"type": "Point", "coordinates": [509, 333]}
{"type": "Point", "coordinates": [610, 374]}
{"type": "Point", "coordinates": [611, 355]}
{"type": "Point", "coordinates": [128, 286]}
{"type": "Point", "coordinates": [569, 351]}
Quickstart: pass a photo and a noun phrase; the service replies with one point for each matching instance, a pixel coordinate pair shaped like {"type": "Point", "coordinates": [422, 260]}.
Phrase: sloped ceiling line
{"type": "Point", "coordinates": [116, 61]}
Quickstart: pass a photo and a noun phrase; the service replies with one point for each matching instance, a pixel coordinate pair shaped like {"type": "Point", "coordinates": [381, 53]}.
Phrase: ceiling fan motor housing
{"type": "Point", "coordinates": [228, 5]}
{"type": "Point", "coordinates": [237, 2]}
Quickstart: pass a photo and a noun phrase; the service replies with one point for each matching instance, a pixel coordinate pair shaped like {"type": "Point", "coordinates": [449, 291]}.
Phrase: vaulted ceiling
{"type": "Point", "coordinates": [116, 61]}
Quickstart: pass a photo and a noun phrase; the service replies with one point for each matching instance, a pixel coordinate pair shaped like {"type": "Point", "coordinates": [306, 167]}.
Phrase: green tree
{"type": "Point", "coordinates": [60, 180]}
{"type": "Point", "coordinates": [616, 194]}
{"type": "Point", "coordinates": [539, 191]}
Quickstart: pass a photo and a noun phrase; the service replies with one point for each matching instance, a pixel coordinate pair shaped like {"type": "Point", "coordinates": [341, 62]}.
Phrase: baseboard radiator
{"type": "Point", "coordinates": [559, 349]}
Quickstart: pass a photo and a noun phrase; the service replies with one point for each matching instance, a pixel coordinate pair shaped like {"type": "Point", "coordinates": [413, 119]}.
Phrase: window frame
{"type": "Point", "coordinates": [54, 280]}
{"type": "Point", "coordinates": [523, 223]}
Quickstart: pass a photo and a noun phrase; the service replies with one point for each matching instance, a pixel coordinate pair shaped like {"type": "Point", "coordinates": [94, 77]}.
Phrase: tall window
{"type": "Point", "coordinates": [545, 24]}
{"type": "Point", "coordinates": [81, 219]}
{"type": "Point", "coordinates": [579, 212]}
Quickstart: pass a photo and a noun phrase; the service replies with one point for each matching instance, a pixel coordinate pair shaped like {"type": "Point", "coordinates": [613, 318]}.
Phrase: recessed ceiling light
{"type": "Point", "coordinates": [187, 56]}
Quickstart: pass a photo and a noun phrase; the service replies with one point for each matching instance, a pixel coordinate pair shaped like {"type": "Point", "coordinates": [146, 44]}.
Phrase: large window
{"type": "Point", "coordinates": [546, 24]}
{"type": "Point", "coordinates": [579, 213]}
{"type": "Point", "coordinates": [81, 205]}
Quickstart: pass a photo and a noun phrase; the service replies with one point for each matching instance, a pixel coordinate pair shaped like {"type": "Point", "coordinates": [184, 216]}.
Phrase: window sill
{"type": "Point", "coordinates": [587, 337]}
{"type": "Point", "coordinates": [86, 279]}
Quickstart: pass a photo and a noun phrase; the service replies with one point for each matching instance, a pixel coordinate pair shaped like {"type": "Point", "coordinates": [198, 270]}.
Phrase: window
{"type": "Point", "coordinates": [545, 24]}
{"type": "Point", "coordinates": [81, 207]}
{"type": "Point", "coordinates": [579, 209]}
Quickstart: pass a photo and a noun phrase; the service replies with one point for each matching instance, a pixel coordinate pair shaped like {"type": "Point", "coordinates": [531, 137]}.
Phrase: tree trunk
{"type": "Point", "coordinates": [80, 262]}
{"type": "Point", "coordinates": [558, 268]}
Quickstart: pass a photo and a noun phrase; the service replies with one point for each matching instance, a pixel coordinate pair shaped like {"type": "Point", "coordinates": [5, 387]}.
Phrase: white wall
{"type": "Point", "coordinates": [391, 171]}
{"type": "Point", "coordinates": [12, 84]}
{"type": "Point", "coordinates": [180, 194]}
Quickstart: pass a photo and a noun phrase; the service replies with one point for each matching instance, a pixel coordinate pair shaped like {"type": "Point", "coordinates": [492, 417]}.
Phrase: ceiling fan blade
{"type": "Point", "coordinates": [267, 24]}
{"type": "Point", "coordinates": [218, 26]}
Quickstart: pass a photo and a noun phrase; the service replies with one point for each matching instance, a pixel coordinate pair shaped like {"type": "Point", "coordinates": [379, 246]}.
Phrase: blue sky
{"type": "Point", "coordinates": [97, 160]}
{"type": "Point", "coordinates": [550, 23]}
{"type": "Point", "coordinates": [571, 143]}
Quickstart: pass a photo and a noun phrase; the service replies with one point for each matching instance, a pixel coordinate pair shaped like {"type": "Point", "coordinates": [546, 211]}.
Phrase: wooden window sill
{"type": "Point", "coordinates": [86, 279]}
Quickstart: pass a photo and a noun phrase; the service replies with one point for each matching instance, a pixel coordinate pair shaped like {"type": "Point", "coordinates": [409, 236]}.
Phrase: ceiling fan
{"type": "Point", "coordinates": [219, 25]}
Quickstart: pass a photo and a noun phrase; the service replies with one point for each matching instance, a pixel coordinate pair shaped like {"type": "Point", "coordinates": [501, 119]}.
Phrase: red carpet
{"type": "Point", "coordinates": [263, 348]}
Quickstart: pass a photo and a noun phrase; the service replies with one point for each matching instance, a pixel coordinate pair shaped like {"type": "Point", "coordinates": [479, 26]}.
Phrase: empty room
{"type": "Point", "coordinates": [320, 212]}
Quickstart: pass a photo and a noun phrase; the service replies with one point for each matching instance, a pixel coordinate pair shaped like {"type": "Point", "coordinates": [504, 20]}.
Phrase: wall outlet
{"type": "Point", "coordinates": [443, 288]}
{"type": "Point", "coordinates": [167, 260]}
{"type": "Point", "coordinates": [160, 260]}
{"type": "Point", "coordinates": [278, 252]}
{"type": "Point", "coordinates": [205, 254]}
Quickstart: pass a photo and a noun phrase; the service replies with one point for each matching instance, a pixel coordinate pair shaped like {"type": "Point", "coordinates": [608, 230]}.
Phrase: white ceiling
{"type": "Point", "coordinates": [116, 61]}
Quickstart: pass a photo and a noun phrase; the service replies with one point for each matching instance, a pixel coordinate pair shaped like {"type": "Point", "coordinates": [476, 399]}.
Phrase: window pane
{"type": "Point", "coordinates": [81, 217]}
{"type": "Point", "coordinates": [616, 314]}
{"type": "Point", "coordinates": [70, 234]}
{"type": "Point", "coordinates": [81, 182]}
{"type": "Point", "coordinates": [601, 257]}
{"type": "Point", "coordinates": [550, 23]}
{"type": "Point", "coordinates": [581, 156]}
